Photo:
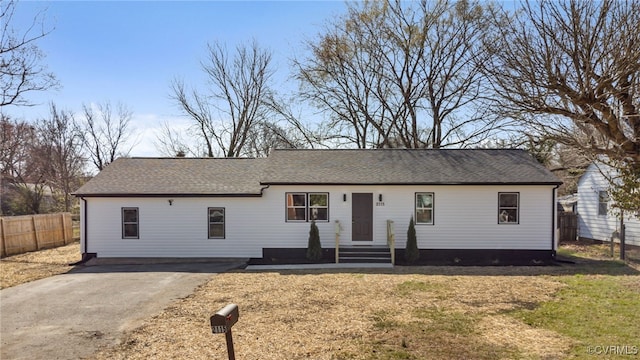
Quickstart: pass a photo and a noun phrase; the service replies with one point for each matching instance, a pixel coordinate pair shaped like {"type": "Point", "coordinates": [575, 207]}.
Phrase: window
{"type": "Point", "coordinates": [296, 207]}
{"type": "Point", "coordinates": [319, 207]}
{"type": "Point", "coordinates": [508, 205]}
{"type": "Point", "coordinates": [130, 223]}
{"type": "Point", "coordinates": [216, 223]}
{"type": "Point", "coordinates": [305, 207]}
{"type": "Point", "coordinates": [424, 208]}
{"type": "Point", "coordinates": [603, 201]}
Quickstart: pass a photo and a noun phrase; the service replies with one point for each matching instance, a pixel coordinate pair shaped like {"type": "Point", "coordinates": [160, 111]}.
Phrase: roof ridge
{"type": "Point", "coordinates": [403, 149]}
{"type": "Point", "coordinates": [190, 158]}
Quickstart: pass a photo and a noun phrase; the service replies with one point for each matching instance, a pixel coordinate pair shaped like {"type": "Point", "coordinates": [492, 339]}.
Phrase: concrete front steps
{"type": "Point", "coordinates": [364, 254]}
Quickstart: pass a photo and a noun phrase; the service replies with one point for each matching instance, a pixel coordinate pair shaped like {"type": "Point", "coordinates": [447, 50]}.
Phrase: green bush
{"type": "Point", "coordinates": [411, 253]}
{"type": "Point", "coordinates": [314, 249]}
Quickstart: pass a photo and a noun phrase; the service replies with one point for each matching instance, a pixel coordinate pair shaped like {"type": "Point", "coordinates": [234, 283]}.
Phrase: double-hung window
{"type": "Point", "coordinates": [303, 207]}
{"type": "Point", "coordinates": [603, 202]}
{"type": "Point", "coordinates": [508, 208]}
{"type": "Point", "coordinates": [216, 223]}
{"type": "Point", "coordinates": [424, 208]}
{"type": "Point", "coordinates": [130, 223]}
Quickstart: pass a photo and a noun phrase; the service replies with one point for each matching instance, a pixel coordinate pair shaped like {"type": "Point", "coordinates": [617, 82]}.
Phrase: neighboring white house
{"type": "Point", "coordinates": [597, 218]}
{"type": "Point", "coordinates": [470, 206]}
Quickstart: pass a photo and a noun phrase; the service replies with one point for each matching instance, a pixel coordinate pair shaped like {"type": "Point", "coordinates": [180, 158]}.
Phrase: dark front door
{"type": "Point", "coordinates": [362, 217]}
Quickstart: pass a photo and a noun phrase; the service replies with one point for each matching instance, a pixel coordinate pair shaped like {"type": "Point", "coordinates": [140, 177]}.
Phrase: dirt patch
{"type": "Point", "coordinates": [19, 269]}
{"type": "Point", "coordinates": [502, 330]}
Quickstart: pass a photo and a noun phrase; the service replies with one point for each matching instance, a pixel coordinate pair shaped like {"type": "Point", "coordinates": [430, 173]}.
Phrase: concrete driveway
{"type": "Point", "coordinates": [69, 316]}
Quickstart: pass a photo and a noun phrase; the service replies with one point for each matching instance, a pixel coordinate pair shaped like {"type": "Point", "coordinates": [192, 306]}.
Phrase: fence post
{"type": "Point", "coordinates": [391, 240]}
{"type": "Point", "coordinates": [35, 232]}
{"type": "Point", "coordinates": [64, 228]}
{"type": "Point", "coordinates": [4, 241]}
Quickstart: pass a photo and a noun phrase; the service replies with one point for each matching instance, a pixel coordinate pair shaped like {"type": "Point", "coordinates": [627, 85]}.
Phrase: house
{"type": "Point", "coordinates": [597, 218]}
{"type": "Point", "coordinates": [469, 206]}
{"type": "Point", "coordinates": [568, 203]}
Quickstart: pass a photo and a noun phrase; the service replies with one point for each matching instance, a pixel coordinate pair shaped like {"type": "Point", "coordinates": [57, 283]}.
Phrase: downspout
{"type": "Point", "coordinates": [554, 209]}
{"type": "Point", "coordinates": [84, 227]}
{"type": "Point", "coordinates": [86, 256]}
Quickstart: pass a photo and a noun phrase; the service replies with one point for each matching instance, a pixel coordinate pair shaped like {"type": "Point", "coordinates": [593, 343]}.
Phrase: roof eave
{"type": "Point", "coordinates": [158, 195]}
{"type": "Point", "coordinates": [412, 183]}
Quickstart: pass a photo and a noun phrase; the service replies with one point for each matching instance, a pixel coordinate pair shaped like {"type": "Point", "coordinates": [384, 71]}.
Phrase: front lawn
{"type": "Point", "coordinates": [586, 310]}
{"type": "Point", "coordinates": [598, 311]}
{"type": "Point", "coordinates": [550, 312]}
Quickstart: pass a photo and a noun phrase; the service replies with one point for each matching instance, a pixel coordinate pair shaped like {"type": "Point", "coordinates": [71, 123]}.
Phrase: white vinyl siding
{"type": "Point", "coordinates": [465, 220]}
{"type": "Point", "coordinates": [591, 224]}
{"type": "Point", "coordinates": [177, 230]}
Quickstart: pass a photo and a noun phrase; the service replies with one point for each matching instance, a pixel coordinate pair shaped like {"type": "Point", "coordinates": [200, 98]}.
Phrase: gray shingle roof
{"type": "Point", "coordinates": [233, 176]}
{"type": "Point", "coordinates": [176, 176]}
{"type": "Point", "coordinates": [405, 166]}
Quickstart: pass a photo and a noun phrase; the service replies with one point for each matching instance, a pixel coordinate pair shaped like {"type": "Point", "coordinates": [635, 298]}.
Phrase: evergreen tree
{"type": "Point", "coordinates": [411, 253]}
{"type": "Point", "coordinates": [314, 248]}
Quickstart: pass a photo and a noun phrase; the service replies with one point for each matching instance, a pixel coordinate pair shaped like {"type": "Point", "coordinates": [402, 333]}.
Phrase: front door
{"type": "Point", "coordinates": [362, 217]}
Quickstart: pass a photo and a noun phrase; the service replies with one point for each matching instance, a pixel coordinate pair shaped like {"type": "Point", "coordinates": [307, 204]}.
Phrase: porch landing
{"type": "Point", "coordinates": [321, 266]}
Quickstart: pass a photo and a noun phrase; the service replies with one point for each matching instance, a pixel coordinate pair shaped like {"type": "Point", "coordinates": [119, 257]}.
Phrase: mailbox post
{"type": "Point", "coordinates": [222, 321]}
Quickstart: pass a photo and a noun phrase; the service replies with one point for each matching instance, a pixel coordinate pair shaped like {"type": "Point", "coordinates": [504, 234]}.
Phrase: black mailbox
{"type": "Point", "coordinates": [223, 320]}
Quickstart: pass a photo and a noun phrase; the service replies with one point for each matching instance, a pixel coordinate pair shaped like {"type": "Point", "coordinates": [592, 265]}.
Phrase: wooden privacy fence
{"type": "Point", "coordinates": [20, 234]}
{"type": "Point", "coordinates": [568, 225]}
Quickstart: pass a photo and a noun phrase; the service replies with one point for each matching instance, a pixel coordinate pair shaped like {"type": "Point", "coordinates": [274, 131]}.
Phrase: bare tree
{"type": "Point", "coordinates": [61, 148]}
{"type": "Point", "coordinates": [171, 142]}
{"type": "Point", "coordinates": [386, 67]}
{"type": "Point", "coordinates": [266, 136]}
{"type": "Point", "coordinates": [340, 77]}
{"type": "Point", "coordinates": [23, 174]}
{"type": "Point", "coordinates": [105, 132]}
{"type": "Point", "coordinates": [570, 70]}
{"type": "Point", "coordinates": [21, 68]}
{"type": "Point", "coordinates": [235, 101]}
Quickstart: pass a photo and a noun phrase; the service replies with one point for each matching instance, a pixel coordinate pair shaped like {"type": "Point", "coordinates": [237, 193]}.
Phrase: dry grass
{"type": "Point", "coordinates": [342, 315]}
{"type": "Point", "coordinates": [600, 251]}
{"type": "Point", "coordinates": [19, 269]}
{"type": "Point", "coordinates": [404, 313]}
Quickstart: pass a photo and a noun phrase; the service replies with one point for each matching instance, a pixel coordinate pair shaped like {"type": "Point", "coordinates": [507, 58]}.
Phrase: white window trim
{"type": "Point", "coordinates": [286, 202]}
{"type": "Point", "coordinates": [517, 208]}
{"type": "Point", "coordinates": [432, 208]}
{"type": "Point", "coordinates": [317, 206]}
{"type": "Point", "coordinates": [137, 223]}
{"type": "Point", "coordinates": [224, 222]}
{"type": "Point", "coordinates": [606, 203]}
{"type": "Point", "coordinates": [307, 207]}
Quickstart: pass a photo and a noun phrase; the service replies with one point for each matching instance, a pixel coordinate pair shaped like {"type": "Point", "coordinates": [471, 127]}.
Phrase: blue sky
{"type": "Point", "coordinates": [121, 51]}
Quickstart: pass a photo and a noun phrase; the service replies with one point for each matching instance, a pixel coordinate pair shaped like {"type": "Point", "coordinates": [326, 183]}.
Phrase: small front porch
{"type": "Point", "coordinates": [366, 252]}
